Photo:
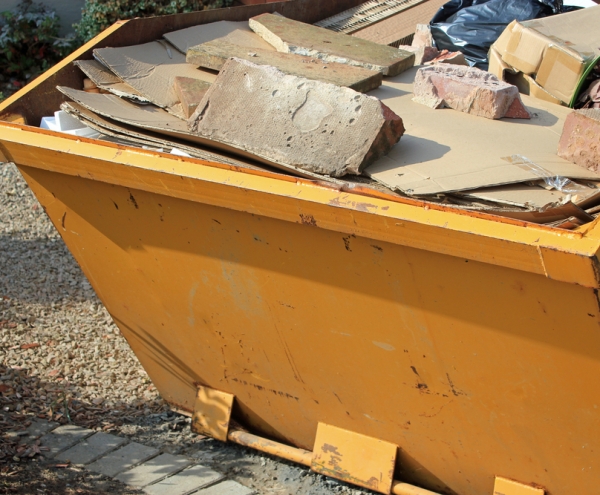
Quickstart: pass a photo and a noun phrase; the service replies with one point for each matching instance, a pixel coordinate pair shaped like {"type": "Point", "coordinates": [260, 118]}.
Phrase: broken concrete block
{"type": "Point", "coordinates": [423, 36]}
{"type": "Point", "coordinates": [291, 36]}
{"type": "Point", "coordinates": [214, 54]}
{"type": "Point", "coordinates": [422, 53]}
{"type": "Point", "coordinates": [580, 139]}
{"type": "Point", "coordinates": [190, 92]}
{"type": "Point", "coordinates": [468, 90]}
{"type": "Point", "coordinates": [293, 122]}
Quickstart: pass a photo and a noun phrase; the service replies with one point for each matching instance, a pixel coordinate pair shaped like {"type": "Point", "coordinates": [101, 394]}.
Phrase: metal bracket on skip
{"type": "Point", "coordinates": [345, 455]}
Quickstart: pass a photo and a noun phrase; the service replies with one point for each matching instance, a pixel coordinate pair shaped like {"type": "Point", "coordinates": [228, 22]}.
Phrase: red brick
{"type": "Point", "coordinates": [468, 90]}
{"type": "Point", "coordinates": [580, 139]}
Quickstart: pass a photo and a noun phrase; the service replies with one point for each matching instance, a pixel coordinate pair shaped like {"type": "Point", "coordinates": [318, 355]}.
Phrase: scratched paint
{"type": "Point", "coordinates": [191, 316]}
{"type": "Point", "coordinates": [384, 346]}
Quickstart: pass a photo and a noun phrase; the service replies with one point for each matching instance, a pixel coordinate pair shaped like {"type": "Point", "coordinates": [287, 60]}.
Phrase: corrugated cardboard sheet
{"type": "Point", "coordinates": [151, 69]}
{"type": "Point", "coordinates": [444, 150]}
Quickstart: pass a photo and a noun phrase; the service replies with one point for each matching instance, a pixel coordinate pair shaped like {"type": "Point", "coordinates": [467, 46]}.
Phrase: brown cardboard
{"type": "Point", "coordinates": [131, 135]}
{"type": "Point", "coordinates": [106, 80]}
{"type": "Point", "coordinates": [430, 158]}
{"type": "Point", "coordinates": [524, 49]}
{"type": "Point", "coordinates": [151, 69]}
{"type": "Point", "coordinates": [499, 67]}
{"type": "Point", "coordinates": [534, 196]}
{"type": "Point", "coordinates": [560, 71]}
{"type": "Point", "coordinates": [557, 49]}
{"type": "Point", "coordinates": [528, 86]}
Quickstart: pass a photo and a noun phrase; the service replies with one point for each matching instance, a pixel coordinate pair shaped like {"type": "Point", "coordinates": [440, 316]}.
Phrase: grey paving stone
{"type": "Point", "coordinates": [36, 429]}
{"type": "Point", "coordinates": [153, 470]}
{"type": "Point", "coordinates": [63, 437]}
{"type": "Point", "coordinates": [122, 459]}
{"type": "Point", "coordinates": [40, 427]}
{"type": "Point", "coordinates": [226, 488]}
{"type": "Point", "coordinates": [91, 448]}
{"type": "Point", "coordinates": [188, 481]}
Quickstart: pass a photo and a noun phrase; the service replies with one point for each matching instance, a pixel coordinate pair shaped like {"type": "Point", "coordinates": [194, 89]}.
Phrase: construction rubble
{"type": "Point", "coordinates": [335, 103]}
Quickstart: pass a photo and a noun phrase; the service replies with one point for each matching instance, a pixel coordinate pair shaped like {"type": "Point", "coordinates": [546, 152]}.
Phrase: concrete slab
{"type": "Point", "coordinates": [153, 470]}
{"type": "Point", "coordinates": [214, 54]}
{"type": "Point", "coordinates": [124, 458]}
{"type": "Point", "coordinates": [226, 488]}
{"type": "Point", "coordinates": [91, 448]}
{"type": "Point", "coordinates": [187, 481]}
{"type": "Point", "coordinates": [294, 122]}
{"type": "Point", "coordinates": [40, 427]}
{"type": "Point", "coordinates": [63, 437]}
{"type": "Point", "coordinates": [290, 36]}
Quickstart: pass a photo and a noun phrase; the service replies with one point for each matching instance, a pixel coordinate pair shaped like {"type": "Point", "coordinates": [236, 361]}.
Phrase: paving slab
{"type": "Point", "coordinates": [63, 437]}
{"type": "Point", "coordinates": [294, 122]}
{"type": "Point", "coordinates": [290, 36]}
{"type": "Point", "coordinates": [214, 54]}
{"type": "Point", "coordinates": [124, 458]}
{"type": "Point", "coordinates": [91, 448]}
{"type": "Point", "coordinates": [190, 92]}
{"type": "Point", "coordinates": [187, 481]}
{"type": "Point", "coordinates": [226, 488]}
{"type": "Point", "coordinates": [40, 427]}
{"type": "Point", "coordinates": [183, 39]}
{"type": "Point", "coordinates": [153, 470]}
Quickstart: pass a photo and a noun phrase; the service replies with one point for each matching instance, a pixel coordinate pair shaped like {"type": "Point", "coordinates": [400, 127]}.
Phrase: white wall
{"type": "Point", "coordinates": [68, 10]}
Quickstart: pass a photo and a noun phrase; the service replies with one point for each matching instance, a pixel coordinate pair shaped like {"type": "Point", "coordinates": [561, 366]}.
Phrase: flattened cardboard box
{"type": "Point", "coordinates": [444, 151]}
{"type": "Point", "coordinates": [558, 49]}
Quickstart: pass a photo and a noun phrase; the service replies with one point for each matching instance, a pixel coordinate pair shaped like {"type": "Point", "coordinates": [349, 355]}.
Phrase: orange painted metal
{"type": "Point", "coordinates": [267, 446]}
{"type": "Point", "coordinates": [503, 486]}
{"type": "Point", "coordinates": [212, 413]}
{"type": "Point", "coordinates": [470, 342]}
{"type": "Point", "coordinates": [354, 458]}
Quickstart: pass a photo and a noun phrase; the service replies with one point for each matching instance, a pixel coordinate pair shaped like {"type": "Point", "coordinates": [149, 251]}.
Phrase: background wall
{"type": "Point", "coordinates": [68, 10]}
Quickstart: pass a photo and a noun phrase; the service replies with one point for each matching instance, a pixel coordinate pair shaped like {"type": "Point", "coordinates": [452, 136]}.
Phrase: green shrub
{"type": "Point", "coordinates": [29, 41]}
{"type": "Point", "coordinates": [97, 15]}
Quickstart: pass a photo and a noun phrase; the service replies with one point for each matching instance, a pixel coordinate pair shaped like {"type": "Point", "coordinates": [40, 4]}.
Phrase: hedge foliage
{"type": "Point", "coordinates": [29, 41]}
{"type": "Point", "coordinates": [97, 15]}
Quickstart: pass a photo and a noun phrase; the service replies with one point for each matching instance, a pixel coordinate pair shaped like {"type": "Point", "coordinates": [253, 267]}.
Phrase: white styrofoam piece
{"type": "Point", "coordinates": [175, 151]}
{"type": "Point", "coordinates": [66, 122]}
{"type": "Point", "coordinates": [49, 123]}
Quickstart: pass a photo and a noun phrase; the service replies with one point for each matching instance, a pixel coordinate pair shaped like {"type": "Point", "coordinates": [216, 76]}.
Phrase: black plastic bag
{"type": "Point", "coordinates": [472, 26]}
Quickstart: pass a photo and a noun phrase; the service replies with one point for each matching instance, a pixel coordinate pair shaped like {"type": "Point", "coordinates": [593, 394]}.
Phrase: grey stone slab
{"type": "Point", "coordinates": [63, 437]}
{"type": "Point", "coordinates": [89, 449]}
{"type": "Point", "coordinates": [187, 481]}
{"type": "Point", "coordinates": [36, 429]}
{"type": "Point", "coordinates": [214, 54]}
{"type": "Point", "coordinates": [290, 36]}
{"type": "Point", "coordinates": [124, 458]}
{"type": "Point", "coordinates": [153, 470]}
{"type": "Point", "coordinates": [294, 122]}
{"type": "Point", "coordinates": [226, 488]}
{"type": "Point", "coordinates": [40, 427]}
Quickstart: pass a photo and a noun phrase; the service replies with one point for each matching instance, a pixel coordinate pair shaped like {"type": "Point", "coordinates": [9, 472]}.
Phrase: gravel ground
{"type": "Point", "coordinates": [63, 359]}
